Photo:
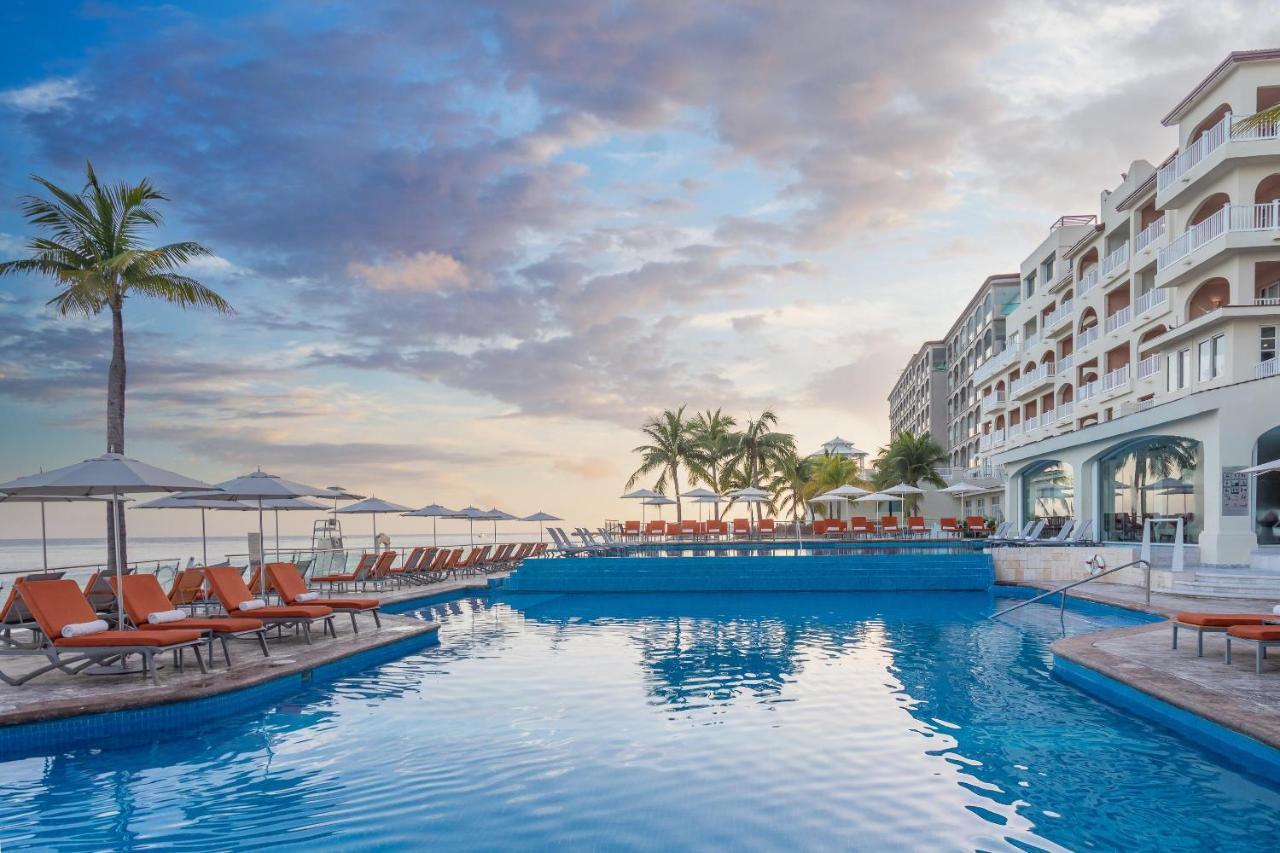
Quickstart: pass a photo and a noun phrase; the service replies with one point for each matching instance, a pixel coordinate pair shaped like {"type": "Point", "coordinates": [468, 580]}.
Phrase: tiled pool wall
{"type": "Point", "coordinates": [811, 573]}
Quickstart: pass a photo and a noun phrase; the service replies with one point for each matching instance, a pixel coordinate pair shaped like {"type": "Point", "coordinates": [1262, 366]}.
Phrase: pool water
{"type": "Point", "coordinates": [656, 722]}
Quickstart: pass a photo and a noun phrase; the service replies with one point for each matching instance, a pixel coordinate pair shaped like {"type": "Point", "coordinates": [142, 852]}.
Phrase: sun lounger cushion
{"type": "Point", "coordinates": [218, 625]}
{"type": "Point", "coordinates": [84, 629]}
{"type": "Point", "coordinates": [1220, 620]}
{"type": "Point", "coordinates": [348, 603]}
{"type": "Point", "coordinates": [1264, 633]}
{"type": "Point", "coordinates": [166, 616]}
{"type": "Point", "coordinates": [129, 638]}
{"type": "Point", "coordinates": [307, 611]}
{"type": "Point", "coordinates": [58, 603]}
{"type": "Point", "coordinates": [252, 604]}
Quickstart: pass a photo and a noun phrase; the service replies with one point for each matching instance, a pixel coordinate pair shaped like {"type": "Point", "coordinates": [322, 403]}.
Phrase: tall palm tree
{"type": "Point", "coordinates": [713, 434]}
{"type": "Point", "coordinates": [92, 247]}
{"type": "Point", "coordinates": [911, 459]}
{"type": "Point", "coordinates": [791, 482]}
{"type": "Point", "coordinates": [672, 443]}
{"type": "Point", "coordinates": [758, 447]}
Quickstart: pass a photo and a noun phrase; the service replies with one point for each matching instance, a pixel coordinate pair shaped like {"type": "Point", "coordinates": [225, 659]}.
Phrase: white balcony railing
{"type": "Point", "coordinates": [1032, 341]}
{"type": "Point", "coordinates": [992, 402]}
{"type": "Point", "coordinates": [1041, 374]}
{"type": "Point", "coordinates": [1030, 422]}
{"type": "Point", "coordinates": [1263, 369]}
{"type": "Point", "coordinates": [994, 365]}
{"type": "Point", "coordinates": [1089, 390]}
{"type": "Point", "coordinates": [1065, 364]}
{"type": "Point", "coordinates": [1149, 366]}
{"type": "Point", "coordinates": [1151, 233]}
{"type": "Point", "coordinates": [1115, 379]}
{"type": "Point", "coordinates": [1115, 261]}
{"type": "Point", "coordinates": [1230, 217]}
{"type": "Point", "coordinates": [1120, 319]}
{"type": "Point", "coordinates": [1153, 298]}
{"type": "Point", "coordinates": [1088, 281]}
{"type": "Point", "coordinates": [1088, 336]}
{"type": "Point", "coordinates": [1267, 301]}
{"type": "Point", "coordinates": [984, 441]}
{"type": "Point", "coordinates": [1057, 315]}
{"type": "Point", "coordinates": [1212, 139]}
{"type": "Point", "coordinates": [1065, 411]}
{"type": "Point", "coordinates": [1015, 430]}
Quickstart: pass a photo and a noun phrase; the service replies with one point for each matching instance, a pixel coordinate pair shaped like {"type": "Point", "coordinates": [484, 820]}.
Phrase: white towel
{"type": "Point", "coordinates": [252, 604]}
{"type": "Point", "coordinates": [84, 629]}
{"type": "Point", "coordinates": [1276, 610]}
{"type": "Point", "coordinates": [308, 596]}
{"type": "Point", "coordinates": [166, 616]}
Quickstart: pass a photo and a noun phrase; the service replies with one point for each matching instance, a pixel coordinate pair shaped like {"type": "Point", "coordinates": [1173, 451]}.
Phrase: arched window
{"type": "Point", "coordinates": [1151, 477]}
{"type": "Point", "coordinates": [1266, 510]}
{"type": "Point", "coordinates": [1211, 295]}
{"type": "Point", "coordinates": [1207, 208]}
{"type": "Point", "coordinates": [1048, 493]}
{"type": "Point", "coordinates": [1268, 190]}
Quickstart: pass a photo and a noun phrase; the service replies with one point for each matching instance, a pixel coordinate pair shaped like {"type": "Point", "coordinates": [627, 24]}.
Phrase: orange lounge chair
{"type": "Point", "coordinates": [689, 528]}
{"type": "Point", "coordinates": [657, 527]}
{"type": "Point", "coordinates": [442, 566]}
{"type": "Point", "coordinates": [836, 527]}
{"type": "Point", "coordinates": [915, 526]}
{"type": "Point", "coordinates": [976, 525]}
{"type": "Point", "coordinates": [950, 526]}
{"type": "Point", "coordinates": [410, 564]}
{"type": "Point", "coordinates": [353, 577]}
{"type": "Point", "coordinates": [671, 529]}
{"type": "Point", "coordinates": [1212, 623]}
{"type": "Point", "coordinates": [767, 527]}
{"type": "Point", "coordinates": [59, 604]}
{"type": "Point", "coordinates": [471, 564]}
{"type": "Point", "coordinates": [631, 529]}
{"type": "Point", "coordinates": [188, 587]}
{"type": "Point", "coordinates": [741, 527]}
{"type": "Point", "coordinates": [860, 526]}
{"type": "Point", "coordinates": [1261, 637]}
{"type": "Point", "coordinates": [143, 596]}
{"type": "Point", "coordinates": [101, 595]}
{"type": "Point", "coordinates": [14, 614]}
{"type": "Point", "coordinates": [889, 525]}
{"type": "Point", "coordinates": [294, 592]}
{"type": "Point", "coordinates": [229, 588]}
{"type": "Point", "coordinates": [717, 528]}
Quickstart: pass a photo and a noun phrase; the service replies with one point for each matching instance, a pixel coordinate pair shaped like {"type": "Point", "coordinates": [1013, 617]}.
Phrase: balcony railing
{"type": "Point", "coordinates": [1263, 369]}
{"type": "Point", "coordinates": [1088, 281]}
{"type": "Point", "coordinates": [1115, 379]}
{"type": "Point", "coordinates": [1089, 390]}
{"type": "Point", "coordinates": [1041, 374]}
{"type": "Point", "coordinates": [984, 441]}
{"type": "Point", "coordinates": [1153, 298]}
{"type": "Point", "coordinates": [1088, 336]}
{"type": "Point", "coordinates": [1267, 301]}
{"type": "Point", "coordinates": [1065, 364]}
{"type": "Point", "coordinates": [1057, 315]}
{"type": "Point", "coordinates": [993, 401]}
{"type": "Point", "coordinates": [1230, 217]}
{"type": "Point", "coordinates": [1210, 141]}
{"type": "Point", "coordinates": [1015, 430]}
{"type": "Point", "coordinates": [1065, 411]}
{"type": "Point", "coordinates": [1032, 341]}
{"type": "Point", "coordinates": [994, 365]}
{"type": "Point", "coordinates": [1134, 406]}
{"type": "Point", "coordinates": [1120, 319]}
{"type": "Point", "coordinates": [1149, 366]}
{"type": "Point", "coordinates": [1115, 261]}
{"type": "Point", "coordinates": [1151, 233]}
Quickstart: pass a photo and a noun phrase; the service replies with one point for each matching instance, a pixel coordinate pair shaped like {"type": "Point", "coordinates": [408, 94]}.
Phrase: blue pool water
{"type": "Point", "coordinates": [712, 722]}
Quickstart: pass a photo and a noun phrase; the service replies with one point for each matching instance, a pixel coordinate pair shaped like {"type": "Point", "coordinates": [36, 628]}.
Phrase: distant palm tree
{"type": "Point", "coordinates": [713, 433]}
{"type": "Point", "coordinates": [672, 443]}
{"type": "Point", "coordinates": [791, 483]}
{"type": "Point", "coordinates": [830, 471]}
{"type": "Point", "coordinates": [757, 448]}
{"type": "Point", "coordinates": [911, 459]}
{"type": "Point", "coordinates": [93, 249]}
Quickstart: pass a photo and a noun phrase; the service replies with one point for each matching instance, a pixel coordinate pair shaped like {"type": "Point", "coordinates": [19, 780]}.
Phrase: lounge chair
{"type": "Point", "coordinates": [143, 595]}
{"type": "Point", "coordinates": [1212, 623]}
{"type": "Point", "coordinates": [286, 578]}
{"type": "Point", "coordinates": [672, 530]}
{"type": "Point", "coordinates": [101, 595]}
{"type": "Point", "coordinates": [767, 527]}
{"type": "Point", "coordinates": [655, 529]}
{"type": "Point", "coordinates": [689, 529]}
{"type": "Point", "coordinates": [950, 527]}
{"type": "Point", "coordinates": [341, 579]}
{"type": "Point", "coordinates": [1062, 537]}
{"type": "Point", "coordinates": [916, 526]}
{"type": "Point", "coordinates": [229, 588]}
{"type": "Point", "coordinates": [57, 605]}
{"type": "Point", "coordinates": [741, 528]}
{"type": "Point", "coordinates": [860, 526]}
{"type": "Point", "coordinates": [1261, 637]}
{"type": "Point", "coordinates": [187, 588]}
{"type": "Point", "coordinates": [976, 525]}
{"type": "Point", "coordinates": [1001, 529]}
{"type": "Point", "coordinates": [1021, 536]}
{"type": "Point", "coordinates": [631, 529]}
{"type": "Point", "coordinates": [717, 529]}
{"type": "Point", "coordinates": [410, 564]}
{"type": "Point", "coordinates": [1081, 532]}
{"type": "Point", "coordinates": [14, 614]}
{"type": "Point", "coordinates": [836, 528]}
{"type": "Point", "coordinates": [889, 525]}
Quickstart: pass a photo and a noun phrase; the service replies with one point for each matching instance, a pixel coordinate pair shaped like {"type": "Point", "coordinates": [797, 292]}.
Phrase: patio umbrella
{"type": "Point", "coordinates": [542, 517]}
{"type": "Point", "coordinates": [658, 501]}
{"type": "Point", "coordinates": [750, 495]}
{"type": "Point", "coordinates": [829, 499]}
{"type": "Point", "coordinates": [261, 488]}
{"type": "Point", "coordinates": [470, 513]}
{"type": "Point", "coordinates": [110, 474]}
{"type": "Point", "coordinates": [42, 500]}
{"type": "Point", "coordinates": [202, 504]}
{"type": "Point", "coordinates": [433, 512]}
{"type": "Point", "coordinates": [372, 506]}
{"type": "Point", "coordinates": [902, 490]}
{"type": "Point", "coordinates": [280, 505]}
{"type": "Point", "coordinates": [962, 489]}
{"type": "Point", "coordinates": [701, 496]}
{"type": "Point", "coordinates": [875, 498]}
{"type": "Point", "coordinates": [848, 491]}
{"type": "Point", "coordinates": [498, 515]}
{"type": "Point", "coordinates": [644, 496]}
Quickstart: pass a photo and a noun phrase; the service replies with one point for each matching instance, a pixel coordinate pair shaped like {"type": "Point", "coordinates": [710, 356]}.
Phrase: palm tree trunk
{"type": "Point", "coordinates": [115, 425]}
{"type": "Point", "coordinates": [675, 484]}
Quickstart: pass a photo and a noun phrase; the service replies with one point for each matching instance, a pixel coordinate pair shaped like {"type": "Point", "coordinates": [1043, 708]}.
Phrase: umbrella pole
{"type": "Point", "coordinates": [262, 538]}
{"type": "Point", "coordinates": [276, 513]}
{"type": "Point", "coordinates": [541, 533]}
{"type": "Point", "coordinates": [434, 543]}
{"type": "Point", "coordinates": [115, 535]}
{"type": "Point", "coordinates": [204, 540]}
{"type": "Point", "coordinates": [44, 539]}
{"type": "Point", "coordinates": [375, 531]}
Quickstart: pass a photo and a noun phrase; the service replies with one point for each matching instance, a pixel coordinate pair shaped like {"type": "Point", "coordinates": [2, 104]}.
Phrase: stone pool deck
{"type": "Point", "coordinates": [1141, 657]}
{"type": "Point", "coordinates": [57, 695]}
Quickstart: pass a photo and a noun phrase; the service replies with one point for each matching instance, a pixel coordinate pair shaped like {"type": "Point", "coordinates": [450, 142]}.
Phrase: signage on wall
{"type": "Point", "coordinates": [1235, 491]}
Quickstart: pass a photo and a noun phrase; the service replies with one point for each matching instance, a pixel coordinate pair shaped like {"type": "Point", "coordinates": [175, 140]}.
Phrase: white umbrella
{"type": "Point", "coordinates": [497, 515]}
{"type": "Point", "coordinates": [829, 499]}
{"type": "Point", "coordinates": [644, 496]}
{"type": "Point", "coordinates": [658, 501]}
{"type": "Point", "coordinates": [701, 496]}
{"type": "Point", "coordinates": [960, 490]}
{"type": "Point", "coordinates": [279, 505]}
{"type": "Point", "coordinates": [202, 504]}
{"type": "Point", "coordinates": [371, 507]}
{"type": "Point", "coordinates": [1264, 468]}
{"type": "Point", "coordinates": [902, 490]}
{"type": "Point", "coordinates": [541, 517]}
{"type": "Point", "coordinates": [470, 513]}
{"type": "Point", "coordinates": [433, 512]}
{"type": "Point", "coordinates": [875, 498]}
{"type": "Point", "coordinates": [848, 491]}
{"type": "Point", "coordinates": [109, 474]}
{"type": "Point", "coordinates": [42, 500]}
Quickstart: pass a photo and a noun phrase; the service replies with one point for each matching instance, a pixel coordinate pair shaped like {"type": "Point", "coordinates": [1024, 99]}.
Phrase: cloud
{"type": "Point", "coordinates": [42, 97]}
{"type": "Point", "coordinates": [588, 469]}
{"type": "Point", "coordinates": [421, 271]}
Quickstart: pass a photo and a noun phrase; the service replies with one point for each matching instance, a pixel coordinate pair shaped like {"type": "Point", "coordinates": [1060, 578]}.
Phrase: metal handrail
{"type": "Point", "coordinates": [1062, 590]}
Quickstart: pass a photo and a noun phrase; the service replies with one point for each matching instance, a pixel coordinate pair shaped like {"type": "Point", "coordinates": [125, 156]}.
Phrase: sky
{"type": "Point", "coordinates": [472, 246]}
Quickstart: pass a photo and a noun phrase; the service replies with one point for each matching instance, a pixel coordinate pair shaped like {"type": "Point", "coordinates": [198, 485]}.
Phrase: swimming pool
{"type": "Point", "coordinates": [745, 721]}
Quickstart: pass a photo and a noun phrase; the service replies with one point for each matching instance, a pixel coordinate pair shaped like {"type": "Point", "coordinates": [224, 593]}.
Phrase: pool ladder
{"type": "Point", "coordinates": [1061, 591]}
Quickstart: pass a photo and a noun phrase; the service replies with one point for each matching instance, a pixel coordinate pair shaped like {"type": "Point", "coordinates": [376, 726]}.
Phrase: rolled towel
{"type": "Point", "coordinates": [308, 596]}
{"type": "Point", "coordinates": [252, 604]}
{"type": "Point", "coordinates": [166, 616]}
{"type": "Point", "coordinates": [84, 629]}
{"type": "Point", "coordinates": [1276, 610]}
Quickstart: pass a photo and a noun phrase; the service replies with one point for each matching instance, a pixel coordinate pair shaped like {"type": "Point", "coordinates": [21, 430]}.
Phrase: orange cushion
{"type": "Point", "coordinates": [1222, 620]}
{"type": "Point", "coordinates": [345, 603]}
{"type": "Point", "coordinates": [299, 612]}
{"type": "Point", "coordinates": [129, 638]}
{"type": "Point", "coordinates": [217, 626]}
{"type": "Point", "coordinates": [332, 578]}
{"type": "Point", "coordinates": [1255, 632]}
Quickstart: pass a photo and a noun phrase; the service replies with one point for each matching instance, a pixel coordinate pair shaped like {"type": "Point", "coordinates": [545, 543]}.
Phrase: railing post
{"type": "Point", "coordinates": [1145, 554]}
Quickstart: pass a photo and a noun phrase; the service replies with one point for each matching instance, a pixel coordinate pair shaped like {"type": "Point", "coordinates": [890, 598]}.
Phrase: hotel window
{"type": "Point", "coordinates": [1213, 357]}
{"type": "Point", "coordinates": [1268, 343]}
{"type": "Point", "coordinates": [1179, 371]}
{"type": "Point", "coordinates": [1271, 291]}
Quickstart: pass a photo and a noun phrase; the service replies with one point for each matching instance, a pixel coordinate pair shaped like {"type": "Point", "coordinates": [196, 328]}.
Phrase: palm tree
{"type": "Point", "coordinates": [831, 471]}
{"type": "Point", "coordinates": [93, 249]}
{"type": "Point", "coordinates": [910, 459]}
{"type": "Point", "coordinates": [672, 444]}
{"type": "Point", "coordinates": [714, 438]}
{"type": "Point", "coordinates": [791, 482]}
{"type": "Point", "coordinates": [758, 448]}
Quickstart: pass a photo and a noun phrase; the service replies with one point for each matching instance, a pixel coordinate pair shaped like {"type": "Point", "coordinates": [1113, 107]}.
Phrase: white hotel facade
{"type": "Point", "coordinates": [1141, 370]}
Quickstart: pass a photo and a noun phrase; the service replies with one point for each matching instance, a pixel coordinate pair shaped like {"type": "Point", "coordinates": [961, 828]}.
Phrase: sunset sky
{"type": "Point", "coordinates": [472, 245]}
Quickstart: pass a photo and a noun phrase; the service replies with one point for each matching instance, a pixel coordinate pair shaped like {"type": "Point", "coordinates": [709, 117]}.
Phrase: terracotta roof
{"type": "Point", "coordinates": [1235, 58]}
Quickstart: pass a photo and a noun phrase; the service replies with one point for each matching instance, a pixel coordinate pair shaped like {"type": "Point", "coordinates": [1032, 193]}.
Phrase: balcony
{"type": "Point", "coordinates": [1244, 226]}
{"type": "Point", "coordinates": [1057, 318]}
{"type": "Point", "coordinates": [1210, 149]}
{"type": "Point", "coordinates": [1116, 380]}
{"type": "Point", "coordinates": [993, 402]}
{"type": "Point", "coordinates": [1015, 431]}
{"type": "Point", "coordinates": [1155, 298]}
{"type": "Point", "coordinates": [1032, 380]}
{"type": "Point", "coordinates": [993, 365]}
{"type": "Point", "coordinates": [1087, 337]}
{"type": "Point", "coordinates": [1150, 367]}
{"type": "Point", "coordinates": [1263, 369]}
{"type": "Point", "coordinates": [1120, 319]}
{"type": "Point", "coordinates": [1032, 341]}
{"type": "Point", "coordinates": [1089, 390]}
{"type": "Point", "coordinates": [1115, 262]}
{"type": "Point", "coordinates": [1065, 364]}
{"type": "Point", "coordinates": [1088, 281]}
{"type": "Point", "coordinates": [1032, 422]}
{"type": "Point", "coordinates": [1065, 412]}
{"type": "Point", "coordinates": [1149, 235]}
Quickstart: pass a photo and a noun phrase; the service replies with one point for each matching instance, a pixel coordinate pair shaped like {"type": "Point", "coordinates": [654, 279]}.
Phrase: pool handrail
{"type": "Point", "coordinates": [1062, 590]}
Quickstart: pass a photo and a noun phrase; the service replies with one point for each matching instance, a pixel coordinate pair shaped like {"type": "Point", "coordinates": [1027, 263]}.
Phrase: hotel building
{"type": "Point", "coordinates": [1141, 373]}
{"type": "Point", "coordinates": [918, 401]}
